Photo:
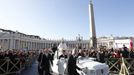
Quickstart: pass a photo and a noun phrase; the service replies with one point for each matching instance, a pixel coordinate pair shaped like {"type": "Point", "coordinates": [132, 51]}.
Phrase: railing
{"type": "Point", "coordinates": [115, 65]}
{"type": "Point", "coordinates": [8, 66]}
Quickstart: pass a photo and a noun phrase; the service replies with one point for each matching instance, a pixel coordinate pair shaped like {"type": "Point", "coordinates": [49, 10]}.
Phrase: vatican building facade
{"type": "Point", "coordinates": [15, 40]}
{"type": "Point", "coordinates": [10, 40]}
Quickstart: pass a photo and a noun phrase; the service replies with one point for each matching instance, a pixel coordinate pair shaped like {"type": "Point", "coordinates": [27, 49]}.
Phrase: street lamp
{"type": "Point", "coordinates": [79, 39]}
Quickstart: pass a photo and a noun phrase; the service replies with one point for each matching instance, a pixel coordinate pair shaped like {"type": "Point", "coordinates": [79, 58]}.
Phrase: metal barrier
{"type": "Point", "coordinates": [8, 66]}
{"type": "Point", "coordinates": [124, 70]}
{"type": "Point", "coordinates": [116, 63]}
{"type": "Point", "coordinates": [16, 65]}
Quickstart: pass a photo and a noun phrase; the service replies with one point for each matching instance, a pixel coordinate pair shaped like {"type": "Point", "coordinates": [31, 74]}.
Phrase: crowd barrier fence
{"type": "Point", "coordinates": [115, 65]}
{"type": "Point", "coordinates": [14, 66]}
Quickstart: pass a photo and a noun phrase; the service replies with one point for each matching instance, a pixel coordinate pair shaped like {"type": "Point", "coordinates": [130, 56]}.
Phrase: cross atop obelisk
{"type": "Point", "coordinates": [93, 40]}
{"type": "Point", "coordinates": [90, 1]}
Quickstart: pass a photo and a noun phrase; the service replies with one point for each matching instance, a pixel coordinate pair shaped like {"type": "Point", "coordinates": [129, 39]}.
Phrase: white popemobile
{"type": "Point", "coordinates": [89, 66]}
{"type": "Point", "coordinates": [92, 67]}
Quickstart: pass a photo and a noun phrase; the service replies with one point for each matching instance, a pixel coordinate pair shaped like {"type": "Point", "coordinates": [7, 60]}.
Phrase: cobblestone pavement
{"type": "Point", "coordinates": [31, 70]}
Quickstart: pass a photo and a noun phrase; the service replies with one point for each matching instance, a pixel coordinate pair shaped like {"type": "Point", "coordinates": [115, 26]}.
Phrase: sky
{"type": "Point", "coordinates": [56, 19]}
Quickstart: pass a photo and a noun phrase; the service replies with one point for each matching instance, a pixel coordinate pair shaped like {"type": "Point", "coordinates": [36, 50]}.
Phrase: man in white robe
{"type": "Point", "coordinates": [62, 46]}
{"type": "Point", "coordinates": [60, 64]}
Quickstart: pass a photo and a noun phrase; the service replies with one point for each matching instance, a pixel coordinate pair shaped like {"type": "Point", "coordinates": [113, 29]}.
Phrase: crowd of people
{"type": "Point", "coordinates": [13, 54]}
{"type": "Point", "coordinates": [46, 58]}
{"type": "Point", "coordinates": [101, 54]}
{"type": "Point", "coordinates": [46, 62]}
{"type": "Point", "coordinates": [18, 58]}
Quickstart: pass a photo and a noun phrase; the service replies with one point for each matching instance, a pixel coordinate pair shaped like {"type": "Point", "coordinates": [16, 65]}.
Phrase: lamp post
{"type": "Point", "coordinates": [79, 39]}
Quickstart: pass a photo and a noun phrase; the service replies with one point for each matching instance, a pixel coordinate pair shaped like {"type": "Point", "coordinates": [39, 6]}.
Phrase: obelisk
{"type": "Point", "coordinates": [93, 40]}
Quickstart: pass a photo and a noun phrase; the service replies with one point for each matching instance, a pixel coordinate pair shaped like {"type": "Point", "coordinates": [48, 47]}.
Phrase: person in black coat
{"type": "Point", "coordinates": [125, 52]}
{"type": "Point", "coordinates": [40, 70]}
{"type": "Point", "coordinates": [71, 65]}
{"type": "Point", "coordinates": [54, 49]}
{"type": "Point", "coordinates": [45, 63]}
